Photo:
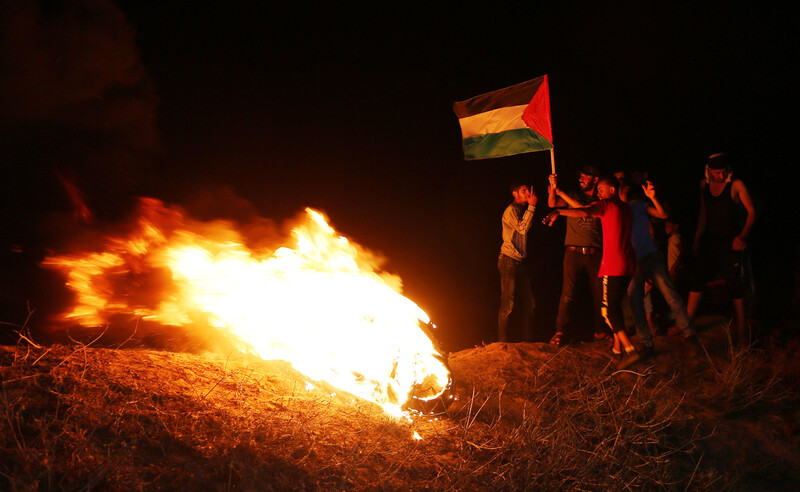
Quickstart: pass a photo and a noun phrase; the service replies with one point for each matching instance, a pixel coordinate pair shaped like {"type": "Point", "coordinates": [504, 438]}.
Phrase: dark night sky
{"type": "Point", "coordinates": [350, 111]}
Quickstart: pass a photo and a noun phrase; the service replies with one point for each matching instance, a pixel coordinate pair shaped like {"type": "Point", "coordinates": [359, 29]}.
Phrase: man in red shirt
{"type": "Point", "coordinates": [618, 263]}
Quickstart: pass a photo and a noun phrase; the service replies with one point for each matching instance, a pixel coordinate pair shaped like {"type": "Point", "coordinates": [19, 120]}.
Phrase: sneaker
{"type": "Point", "coordinates": [628, 359]}
{"type": "Point", "coordinates": [646, 351]}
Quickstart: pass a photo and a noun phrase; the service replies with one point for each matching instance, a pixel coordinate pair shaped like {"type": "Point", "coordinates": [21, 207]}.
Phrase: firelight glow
{"type": "Point", "coordinates": [322, 304]}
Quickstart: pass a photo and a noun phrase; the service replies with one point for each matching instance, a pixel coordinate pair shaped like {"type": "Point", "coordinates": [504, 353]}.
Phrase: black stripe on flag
{"type": "Point", "coordinates": [515, 95]}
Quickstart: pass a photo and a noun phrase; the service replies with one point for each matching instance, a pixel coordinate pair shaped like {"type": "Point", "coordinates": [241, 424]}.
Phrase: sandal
{"type": "Point", "coordinates": [556, 340]}
{"type": "Point", "coordinates": [603, 336]}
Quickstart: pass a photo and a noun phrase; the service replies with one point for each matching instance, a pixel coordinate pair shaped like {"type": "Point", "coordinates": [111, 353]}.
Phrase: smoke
{"type": "Point", "coordinates": [75, 64]}
{"type": "Point", "coordinates": [78, 131]}
{"type": "Point", "coordinates": [76, 101]}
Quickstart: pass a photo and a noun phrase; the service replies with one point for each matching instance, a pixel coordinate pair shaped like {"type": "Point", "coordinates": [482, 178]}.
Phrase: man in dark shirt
{"type": "Point", "coordinates": [721, 238]}
{"type": "Point", "coordinates": [618, 261]}
{"type": "Point", "coordinates": [583, 250]}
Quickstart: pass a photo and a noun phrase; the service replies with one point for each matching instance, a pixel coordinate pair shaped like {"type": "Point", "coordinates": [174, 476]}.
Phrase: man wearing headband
{"type": "Point", "coordinates": [721, 237]}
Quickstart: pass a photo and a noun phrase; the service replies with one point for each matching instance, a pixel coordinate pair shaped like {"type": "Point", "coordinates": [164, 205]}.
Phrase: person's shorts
{"type": "Point", "coordinates": [718, 262]}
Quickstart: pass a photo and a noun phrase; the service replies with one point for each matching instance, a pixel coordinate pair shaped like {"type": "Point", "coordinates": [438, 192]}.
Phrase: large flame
{"type": "Point", "coordinates": [321, 304]}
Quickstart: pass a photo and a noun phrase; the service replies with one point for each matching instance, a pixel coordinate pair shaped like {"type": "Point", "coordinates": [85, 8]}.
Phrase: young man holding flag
{"type": "Point", "coordinates": [618, 262]}
{"type": "Point", "coordinates": [583, 249]}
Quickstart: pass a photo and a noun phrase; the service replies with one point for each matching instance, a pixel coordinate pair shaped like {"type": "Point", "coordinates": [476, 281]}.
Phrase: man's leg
{"type": "Point", "coordinates": [741, 335]}
{"type": "Point", "coordinates": [596, 286]}
{"type": "Point", "coordinates": [663, 281]}
{"type": "Point", "coordinates": [702, 268]}
{"type": "Point", "coordinates": [507, 268]}
{"type": "Point", "coordinates": [648, 308]}
{"type": "Point", "coordinates": [525, 302]}
{"type": "Point", "coordinates": [636, 295]}
{"type": "Point", "coordinates": [735, 283]}
{"type": "Point", "coordinates": [614, 289]}
{"type": "Point", "coordinates": [694, 301]}
{"type": "Point", "coordinates": [571, 266]}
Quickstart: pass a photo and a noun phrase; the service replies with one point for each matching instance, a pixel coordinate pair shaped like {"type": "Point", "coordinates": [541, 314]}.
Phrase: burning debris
{"type": "Point", "coordinates": [321, 303]}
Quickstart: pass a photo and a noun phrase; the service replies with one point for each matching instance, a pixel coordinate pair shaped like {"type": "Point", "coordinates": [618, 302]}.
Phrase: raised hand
{"type": "Point", "coordinates": [553, 187]}
{"type": "Point", "coordinates": [649, 190]}
{"type": "Point", "coordinates": [532, 198]}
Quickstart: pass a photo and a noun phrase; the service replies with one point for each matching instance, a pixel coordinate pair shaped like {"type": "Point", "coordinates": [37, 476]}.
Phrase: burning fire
{"type": "Point", "coordinates": [322, 304]}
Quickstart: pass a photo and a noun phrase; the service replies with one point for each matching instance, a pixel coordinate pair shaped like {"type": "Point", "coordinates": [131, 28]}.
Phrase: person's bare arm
{"type": "Point", "coordinates": [573, 203]}
{"type": "Point", "coordinates": [657, 210]}
{"type": "Point", "coordinates": [740, 190]}
{"type": "Point", "coordinates": [521, 225]}
{"type": "Point", "coordinates": [553, 199]}
{"type": "Point", "coordinates": [558, 198]}
{"type": "Point", "coordinates": [673, 272]}
{"type": "Point", "coordinates": [590, 211]}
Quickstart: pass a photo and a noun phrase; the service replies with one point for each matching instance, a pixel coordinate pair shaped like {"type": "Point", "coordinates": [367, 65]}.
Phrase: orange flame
{"type": "Point", "coordinates": [322, 304]}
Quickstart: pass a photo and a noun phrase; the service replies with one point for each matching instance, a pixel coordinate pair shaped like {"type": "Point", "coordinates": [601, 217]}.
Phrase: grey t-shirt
{"type": "Point", "coordinates": [583, 231]}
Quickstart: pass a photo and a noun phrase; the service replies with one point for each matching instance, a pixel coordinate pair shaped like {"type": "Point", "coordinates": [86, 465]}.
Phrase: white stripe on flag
{"type": "Point", "coordinates": [494, 121]}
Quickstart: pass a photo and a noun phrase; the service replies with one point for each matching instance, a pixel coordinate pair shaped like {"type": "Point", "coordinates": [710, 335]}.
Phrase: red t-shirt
{"type": "Point", "coordinates": [616, 218]}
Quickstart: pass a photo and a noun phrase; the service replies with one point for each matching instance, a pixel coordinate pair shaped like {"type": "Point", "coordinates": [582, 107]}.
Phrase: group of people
{"type": "Point", "coordinates": [609, 239]}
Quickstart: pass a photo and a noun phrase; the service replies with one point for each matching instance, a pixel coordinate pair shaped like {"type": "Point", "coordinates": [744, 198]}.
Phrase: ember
{"type": "Point", "coordinates": [322, 304]}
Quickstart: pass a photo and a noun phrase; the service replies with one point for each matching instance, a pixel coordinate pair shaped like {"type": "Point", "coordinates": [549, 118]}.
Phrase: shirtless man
{"type": "Point", "coordinates": [721, 238]}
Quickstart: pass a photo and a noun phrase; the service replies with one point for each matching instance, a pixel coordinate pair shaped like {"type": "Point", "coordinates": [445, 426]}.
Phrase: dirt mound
{"type": "Point", "coordinates": [523, 416]}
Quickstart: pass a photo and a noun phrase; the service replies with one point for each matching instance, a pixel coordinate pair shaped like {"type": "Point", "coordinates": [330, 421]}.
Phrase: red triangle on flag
{"type": "Point", "coordinates": [537, 113]}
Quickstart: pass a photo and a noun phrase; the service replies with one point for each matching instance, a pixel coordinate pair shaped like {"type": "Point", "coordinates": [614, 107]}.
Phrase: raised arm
{"type": "Point", "coordinates": [656, 210]}
{"type": "Point", "coordinates": [553, 197]}
{"type": "Point", "coordinates": [556, 197]}
{"type": "Point", "coordinates": [522, 225]}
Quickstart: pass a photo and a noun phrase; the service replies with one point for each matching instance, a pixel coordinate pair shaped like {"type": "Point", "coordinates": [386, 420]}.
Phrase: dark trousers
{"type": "Point", "coordinates": [614, 290]}
{"type": "Point", "coordinates": [654, 268]}
{"type": "Point", "coordinates": [515, 292]}
{"type": "Point", "coordinates": [575, 265]}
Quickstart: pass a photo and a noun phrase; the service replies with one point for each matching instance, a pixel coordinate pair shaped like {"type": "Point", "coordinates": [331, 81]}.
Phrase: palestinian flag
{"type": "Point", "coordinates": [508, 121]}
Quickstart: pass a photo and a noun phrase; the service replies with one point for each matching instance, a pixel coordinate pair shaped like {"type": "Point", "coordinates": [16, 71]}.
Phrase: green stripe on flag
{"type": "Point", "coordinates": [502, 144]}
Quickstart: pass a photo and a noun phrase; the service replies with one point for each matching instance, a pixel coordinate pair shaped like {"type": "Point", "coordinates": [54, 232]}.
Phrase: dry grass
{"type": "Point", "coordinates": [526, 417]}
{"type": "Point", "coordinates": [743, 378]}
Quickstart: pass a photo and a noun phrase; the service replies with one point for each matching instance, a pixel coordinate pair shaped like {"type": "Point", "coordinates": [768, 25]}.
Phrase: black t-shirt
{"type": "Point", "coordinates": [583, 231]}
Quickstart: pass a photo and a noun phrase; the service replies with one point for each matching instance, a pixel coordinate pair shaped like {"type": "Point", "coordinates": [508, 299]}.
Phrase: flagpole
{"type": "Point", "coordinates": [552, 162]}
